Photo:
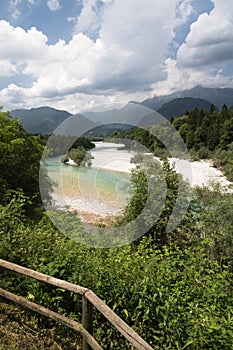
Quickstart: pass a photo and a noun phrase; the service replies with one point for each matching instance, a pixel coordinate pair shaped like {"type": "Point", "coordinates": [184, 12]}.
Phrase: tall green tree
{"type": "Point", "coordinates": [20, 154]}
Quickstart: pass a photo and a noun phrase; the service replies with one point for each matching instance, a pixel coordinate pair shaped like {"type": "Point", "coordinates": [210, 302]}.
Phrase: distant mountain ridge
{"type": "Point", "coordinates": [42, 120]}
{"type": "Point", "coordinates": [179, 106]}
{"type": "Point", "coordinates": [130, 114]}
{"type": "Point", "coordinates": [217, 96]}
{"type": "Point", "coordinates": [45, 120]}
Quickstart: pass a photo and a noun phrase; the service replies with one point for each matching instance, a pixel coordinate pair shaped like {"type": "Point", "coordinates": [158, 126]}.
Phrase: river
{"type": "Point", "coordinates": [99, 191]}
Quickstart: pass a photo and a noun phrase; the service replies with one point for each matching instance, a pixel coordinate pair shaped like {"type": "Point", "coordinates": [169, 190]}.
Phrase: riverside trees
{"type": "Point", "coordinates": [20, 154]}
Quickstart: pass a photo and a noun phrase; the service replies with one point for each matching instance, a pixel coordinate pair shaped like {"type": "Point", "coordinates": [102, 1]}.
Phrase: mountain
{"type": "Point", "coordinates": [75, 125]}
{"type": "Point", "coordinates": [130, 114]}
{"type": "Point", "coordinates": [179, 106]}
{"type": "Point", "coordinates": [42, 120]}
{"type": "Point", "coordinates": [45, 120]}
{"type": "Point", "coordinates": [217, 96]}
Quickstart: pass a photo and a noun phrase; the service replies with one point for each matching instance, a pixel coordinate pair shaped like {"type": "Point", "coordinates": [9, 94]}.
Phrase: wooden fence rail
{"type": "Point", "coordinates": [89, 299]}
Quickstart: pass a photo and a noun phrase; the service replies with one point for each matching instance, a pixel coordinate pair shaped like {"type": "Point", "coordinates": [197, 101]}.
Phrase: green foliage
{"type": "Point", "coordinates": [155, 192]}
{"type": "Point", "coordinates": [216, 224]}
{"type": "Point", "coordinates": [175, 298]}
{"type": "Point", "coordinates": [59, 145]}
{"type": "Point", "coordinates": [80, 156]}
{"type": "Point", "coordinates": [143, 139]}
{"type": "Point", "coordinates": [175, 290]}
{"type": "Point", "coordinates": [223, 159]}
{"type": "Point", "coordinates": [203, 129]}
{"type": "Point", "coordinates": [209, 135]}
{"type": "Point", "coordinates": [204, 133]}
{"type": "Point", "coordinates": [20, 155]}
{"type": "Point", "coordinates": [204, 153]}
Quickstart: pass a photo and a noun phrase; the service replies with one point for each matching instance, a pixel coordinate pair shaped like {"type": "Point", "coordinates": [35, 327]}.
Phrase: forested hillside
{"type": "Point", "coordinates": [207, 135]}
{"type": "Point", "coordinates": [179, 106]}
{"type": "Point", "coordinates": [42, 120]}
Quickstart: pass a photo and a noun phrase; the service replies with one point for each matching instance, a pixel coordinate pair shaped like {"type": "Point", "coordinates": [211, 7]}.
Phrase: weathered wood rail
{"type": "Point", "coordinates": [89, 299]}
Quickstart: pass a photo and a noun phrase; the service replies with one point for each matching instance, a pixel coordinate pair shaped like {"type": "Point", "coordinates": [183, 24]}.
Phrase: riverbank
{"type": "Point", "coordinates": [110, 156]}
{"type": "Point", "coordinates": [79, 187]}
{"type": "Point", "coordinates": [199, 173]}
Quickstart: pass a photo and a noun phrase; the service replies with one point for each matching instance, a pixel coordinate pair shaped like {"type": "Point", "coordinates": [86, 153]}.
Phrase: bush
{"type": "Point", "coordinates": [173, 297]}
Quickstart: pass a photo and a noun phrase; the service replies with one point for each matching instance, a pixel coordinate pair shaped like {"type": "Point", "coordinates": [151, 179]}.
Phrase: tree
{"type": "Point", "coordinates": [80, 156]}
{"type": "Point", "coordinates": [20, 155]}
{"type": "Point", "coordinates": [227, 133]}
{"type": "Point", "coordinates": [225, 111]}
{"type": "Point", "coordinates": [213, 109]}
{"type": "Point", "coordinates": [156, 188]}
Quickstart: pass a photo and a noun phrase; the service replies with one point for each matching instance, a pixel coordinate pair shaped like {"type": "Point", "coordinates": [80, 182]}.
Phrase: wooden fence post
{"type": "Point", "coordinates": [89, 299]}
{"type": "Point", "coordinates": [87, 320]}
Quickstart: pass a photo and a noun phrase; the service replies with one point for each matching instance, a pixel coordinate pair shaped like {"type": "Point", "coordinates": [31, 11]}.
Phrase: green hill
{"type": "Point", "coordinates": [179, 106]}
{"type": "Point", "coordinates": [42, 120]}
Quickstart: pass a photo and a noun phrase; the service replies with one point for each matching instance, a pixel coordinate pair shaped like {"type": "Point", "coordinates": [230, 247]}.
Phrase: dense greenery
{"type": "Point", "coordinates": [175, 290]}
{"type": "Point", "coordinates": [79, 155]}
{"type": "Point", "coordinates": [69, 147]}
{"type": "Point", "coordinates": [207, 135]}
{"type": "Point", "coordinates": [156, 191]}
{"type": "Point", "coordinates": [175, 297]}
{"type": "Point", "coordinates": [59, 144]}
{"type": "Point", "coordinates": [206, 129]}
{"type": "Point", "coordinates": [20, 155]}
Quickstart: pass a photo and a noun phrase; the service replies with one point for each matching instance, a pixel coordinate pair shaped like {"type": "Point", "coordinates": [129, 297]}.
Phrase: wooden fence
{"type": "Point", "coordinates": [89, 299]}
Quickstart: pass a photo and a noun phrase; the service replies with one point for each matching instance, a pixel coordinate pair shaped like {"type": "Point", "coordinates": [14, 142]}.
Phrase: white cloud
{"type": "Point", "coordinates": [117, 53]}
{"type": "Point", "coordinates": [53, 5]}
{"type": "Point", "coordinates": [7, 69]}
{"type": "Point", "coordinates": [210, 40]}
{"type": "Point", "coordinates": [136, 36]}
{"type": "Point", "coordinates": [184, 10]}
{"type": "Point", "coordinates": [20, 46]}
{"type": "Point", "coordinates": [89, 19]}
{"type": "Point", "coordinates": [179, 78]}
{"type": "Point", "coordinates": [107, 1]}
{"type": "Point", "coordinates": [124, 60]}
{"type": "Point", "coordinates": [13, 8]}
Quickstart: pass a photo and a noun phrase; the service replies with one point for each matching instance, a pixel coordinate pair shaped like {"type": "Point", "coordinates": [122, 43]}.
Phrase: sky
{"type": "Point", "coordinates": [80, 54]}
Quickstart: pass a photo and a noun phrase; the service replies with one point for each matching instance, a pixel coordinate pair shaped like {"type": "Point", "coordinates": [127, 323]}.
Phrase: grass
{"type": "Point", "coordinates": [24, 330]}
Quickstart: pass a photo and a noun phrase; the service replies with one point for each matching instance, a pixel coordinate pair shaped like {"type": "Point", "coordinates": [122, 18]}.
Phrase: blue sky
{"type": "Point", "coordinates": [79, 54]}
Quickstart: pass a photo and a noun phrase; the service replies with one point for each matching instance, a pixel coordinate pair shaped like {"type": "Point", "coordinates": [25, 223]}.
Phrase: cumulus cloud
{"type": "Point", "coordinates": [20, 46]}
{"type": "Point", "coordinates": [7, 69]}
{"type": "Point", "coordinates": [117, 53]}
{"type": "Point", "coordinates": [53, 5]}
{"type": "Point", "coordinates": [136, 36]}
{"type": "Point", "coordinates": [89, 20]}
{"type": "Point", "coordinates": [125, 58]}
{"type": "Point", "coordinates": [210, 40]}
{"type": "Point", "coordinates": [179, 79]}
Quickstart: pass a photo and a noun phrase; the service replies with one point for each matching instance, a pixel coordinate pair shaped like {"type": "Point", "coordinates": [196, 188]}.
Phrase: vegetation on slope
{"type": "Point", "coordinates": [174, 290]}
{"type": "Point", "coordinates": [207, 135]}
